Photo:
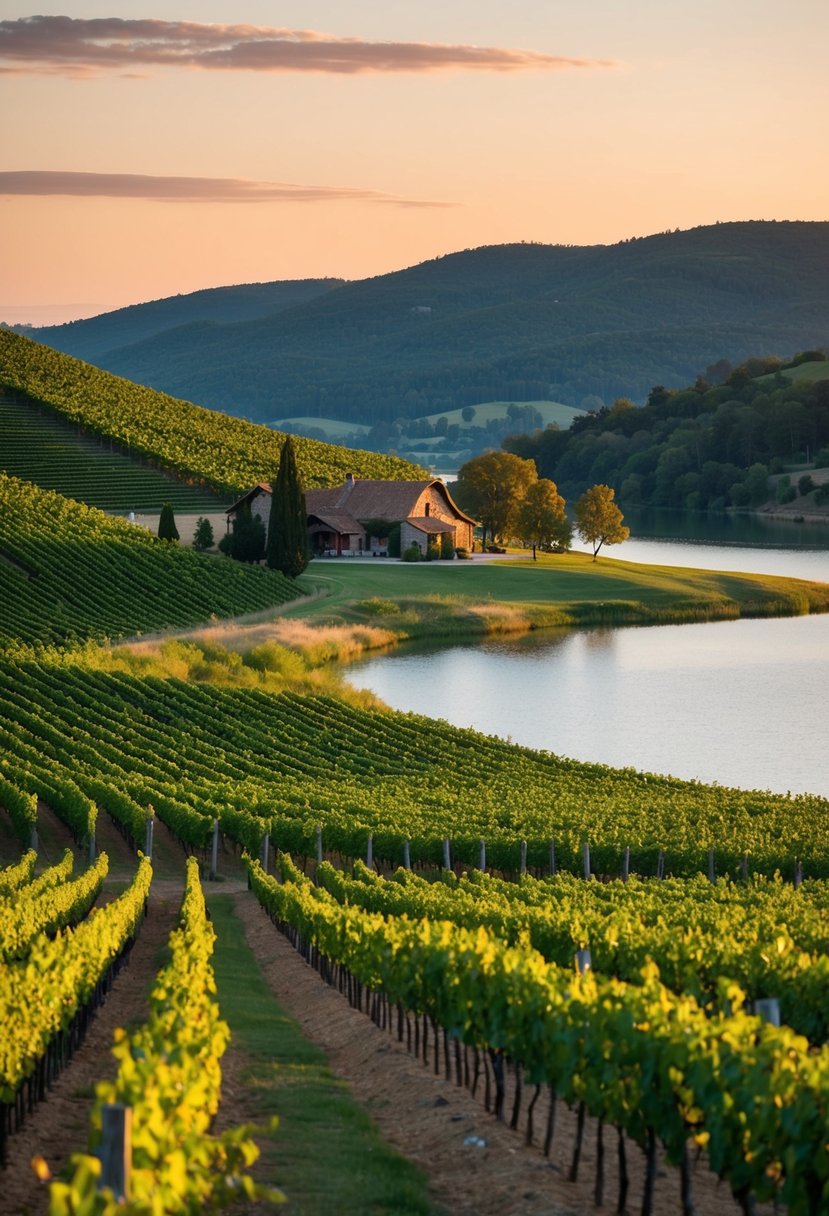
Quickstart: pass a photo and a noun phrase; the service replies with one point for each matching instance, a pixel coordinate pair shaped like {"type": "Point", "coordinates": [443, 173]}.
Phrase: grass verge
{"type": "Point", "coordinates": [326, 1154]}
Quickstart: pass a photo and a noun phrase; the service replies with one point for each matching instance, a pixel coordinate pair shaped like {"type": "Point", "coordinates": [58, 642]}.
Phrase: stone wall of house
{"type": "Point", "coordinates": [438, 508]}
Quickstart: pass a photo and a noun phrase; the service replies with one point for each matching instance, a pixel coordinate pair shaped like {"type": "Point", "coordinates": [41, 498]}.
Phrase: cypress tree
{"type": "Point", "coordinates": [287, 547]}
{"type": "Point", "coordinates": [167, 529]}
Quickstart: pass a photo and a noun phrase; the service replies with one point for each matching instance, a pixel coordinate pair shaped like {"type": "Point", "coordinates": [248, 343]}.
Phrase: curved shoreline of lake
{"type": "Point", "coordinates": [738, 703]}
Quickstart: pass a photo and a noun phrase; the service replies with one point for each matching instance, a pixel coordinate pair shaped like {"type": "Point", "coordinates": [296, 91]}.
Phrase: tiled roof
{"type": "Point", "coordinates": [338, 521]}
{"type": "Point", "coordinates": [370, 499]}
{"type": "Point", "coordinates": [428, 523]}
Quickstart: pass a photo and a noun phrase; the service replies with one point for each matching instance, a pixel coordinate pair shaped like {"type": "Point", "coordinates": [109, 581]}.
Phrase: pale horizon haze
{"type": "Point", "coordinates": [154, 151]}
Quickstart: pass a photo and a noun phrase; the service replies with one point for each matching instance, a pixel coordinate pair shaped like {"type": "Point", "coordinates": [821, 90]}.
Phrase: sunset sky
{"type": "Point", "coordinates": [195, 144]}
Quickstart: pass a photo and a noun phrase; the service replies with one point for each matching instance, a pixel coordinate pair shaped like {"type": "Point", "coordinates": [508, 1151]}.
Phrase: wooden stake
{"type": "Point", "coordinates": [447, 855]}
{"type": "Point", "coordinates": [552, 858]}
{"type": "Point", "coordinates": [482, 857]}
{"type": "Point", "coordinates": [711, 874]}
{"type": "Point", "coordinates": [214, 855]}
{"type": "Point", "coordinates": [626, 864]}
{"type": "Point", "coordinates": [407, 856]}
{"type": "Point", "coordinates": [148, 843]}
{"type": "Point", "coordinates": [319, 842]}
{"type": "Point", "coordinates": [523, 861]}
{"type": "Point", "coordinates": [370, 851]}
{"type": "Point", "coordinates": [116, 1149]}
{"type": "Point", "coordinates": [585, 858]}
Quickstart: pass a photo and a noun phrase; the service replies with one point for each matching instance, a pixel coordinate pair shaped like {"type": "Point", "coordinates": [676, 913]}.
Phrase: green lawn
{"type": "Point", "coordinates": [565, 589]}
{"type": "Point", "coordinates": [326, 1155]}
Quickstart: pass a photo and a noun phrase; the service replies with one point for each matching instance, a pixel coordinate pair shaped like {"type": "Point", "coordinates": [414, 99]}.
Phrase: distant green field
{"type": "Point", "coordinates": [333, 428]}
{"type": "Point", "coordinates": [550, 411]}
{"type": "Point", "coordinates": [808, 371]}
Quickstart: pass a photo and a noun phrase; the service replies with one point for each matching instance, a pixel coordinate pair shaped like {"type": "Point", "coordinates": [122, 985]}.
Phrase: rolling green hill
{"type": "Point", "coordinates": [512, 322]}
{"type": "Point", "coordinates": [199, 446]}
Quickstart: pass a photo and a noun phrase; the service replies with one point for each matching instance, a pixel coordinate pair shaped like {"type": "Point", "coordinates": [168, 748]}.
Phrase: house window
{"type": "Point", "coordinates": [428, 508]}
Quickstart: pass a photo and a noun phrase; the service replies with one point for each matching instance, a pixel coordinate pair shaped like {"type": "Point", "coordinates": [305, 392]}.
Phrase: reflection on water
{"type": "Point", "coordinates": [737, 702]}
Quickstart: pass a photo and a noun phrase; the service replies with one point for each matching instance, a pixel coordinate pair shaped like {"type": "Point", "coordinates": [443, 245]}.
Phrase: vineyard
{"type": "Point", "coordinates": [204, 448]}
{"type": "Point", "coordinates": [284, 765]}
{"type": "Point", "coordinates": [70, 573]}
{"type": "Point", "coordinates": [37, 445]}
{"type": "Point", "coordinates": [544, 933]}
{"type": "Point", "coordinates": [651, 1063]}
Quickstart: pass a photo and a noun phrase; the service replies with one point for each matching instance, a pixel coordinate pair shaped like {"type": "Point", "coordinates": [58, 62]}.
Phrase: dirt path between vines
{"type": "Point", "coordinates": [59, 1126]}
{"type": "Point", "coordinates": [430, 1120]}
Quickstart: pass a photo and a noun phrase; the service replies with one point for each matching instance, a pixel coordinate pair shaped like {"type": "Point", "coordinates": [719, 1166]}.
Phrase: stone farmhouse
{"type": "Point", "coordinates": [424, 510]}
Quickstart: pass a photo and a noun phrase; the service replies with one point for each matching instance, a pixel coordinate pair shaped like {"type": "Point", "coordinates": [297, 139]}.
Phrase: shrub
{"type": "Point", "coordinates": [447, 547]}
{"type": "Point", "coordinates": [805, 484]}
{"type": "Point", "coordinates": [822, 494]}
{"type": "Point", "coordinates": [822, 459]}
{"type": "Point", "coordinates": [785, 490]}
{"type": "Point", "coordinates": [203, 536]}
{"type": "Point", "coordinates": [413, 554]}
{"type": "Point", "coordinates": [462, 554]}
{"type": "Point", "coordinates": [432, 551]}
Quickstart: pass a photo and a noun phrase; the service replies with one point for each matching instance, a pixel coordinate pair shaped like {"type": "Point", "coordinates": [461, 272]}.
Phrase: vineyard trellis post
{"type": "Point", "coordinates": [148, 842]}
{"type": "Point", "coordinates": [552, 858]}
{"type": "Point", "coordinates": [711, 873]}
{"type": "Point", "coordinates": [447, 854]}
{"type": "Point", "coordinates": [319, 842]}
{"type": "Point", "coordinates": [116, 1149]}
{"type": "Point", "coordinates": [91, 848]}
{"type": "Point", "coordinates": [214, 855]}
{"type": "Point", "coordinates": [33, 838]}
{"type": "Point", "coordinates": [523, 862]}
{"type": "Point", "coordinates": [370, 851]}
{"type": "Point", "coordinates": [626, 864]}
{"type": "Point", "coordinates": [482, 857]}
{"type": "Point", "coordinates": [585, 857]}
{"type": "Point", "coordinates": [407, 856]}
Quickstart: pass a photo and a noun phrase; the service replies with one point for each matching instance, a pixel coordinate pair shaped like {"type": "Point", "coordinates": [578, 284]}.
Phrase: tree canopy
{"type": "Point", "coordinates": [599, 520]}
{"type": "Point", "coordinates": [287, 546]}
{"type": "Point", "coordinates": [541, 520]}
{"type": "Point", "coordinates": [491, 488]}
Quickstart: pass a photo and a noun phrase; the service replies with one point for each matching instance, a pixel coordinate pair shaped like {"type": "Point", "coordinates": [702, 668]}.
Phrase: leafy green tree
{"type": "Point", "coordinates": [167, 529]}
{"type": "Point", "coordinates": [468, 413]}
{"type": "Point", "coordinates": [491, 488]}
{"type": "Point", "coordinates": [203, 536]}
{"type": "Point", "coordinates": [247, 542]}
{"type": "Point", "coordinates": [599, 520]}
{"type": "Point", "coordinates": [541, 520]}
{"type": "Point", "coordinates": [288, 547]}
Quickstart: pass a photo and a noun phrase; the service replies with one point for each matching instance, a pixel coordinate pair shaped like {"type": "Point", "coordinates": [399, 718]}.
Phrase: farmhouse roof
{"type": "Point", "coordinates": [428, 523]}
{"type": "Point", "coordinates": [338, 521]}
{"type": "Point", "coordinates": [373, 499]}
{"type": "Point", "coordinates": [264, 486]}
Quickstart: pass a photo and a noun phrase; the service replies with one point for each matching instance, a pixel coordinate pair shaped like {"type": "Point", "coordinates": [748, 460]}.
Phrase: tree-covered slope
{"type": "Point", "coordinates": [92, 337]}
{"type": "Point", "coordinates": [510, 322]}
{"type": "Point", "coordinates": [702, 447]}
{"type": "Point", "coordinates": [70, 572]}
{"type": "Point", "coordinates": [199, 445]}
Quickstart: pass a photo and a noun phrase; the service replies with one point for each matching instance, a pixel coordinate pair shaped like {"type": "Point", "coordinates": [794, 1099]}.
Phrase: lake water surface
{"type": "Point", "coordinates": [742, 703]}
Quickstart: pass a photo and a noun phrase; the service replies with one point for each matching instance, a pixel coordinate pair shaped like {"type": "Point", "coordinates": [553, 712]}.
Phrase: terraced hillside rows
{"type": "Point", "coordinates": [70, 573]}
{"type": "Point", "coordinates": [39, 446]}
{"type": "Point", "coordinates": [202, 447]}
{"type": "Point", "coordinates": [285, 764]}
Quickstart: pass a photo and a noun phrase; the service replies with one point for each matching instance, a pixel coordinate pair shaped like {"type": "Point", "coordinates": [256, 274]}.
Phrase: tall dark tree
{"type": "Point", "coordinates": [288, 549]}
{"type": "Point", "coordinates": [167, 529]}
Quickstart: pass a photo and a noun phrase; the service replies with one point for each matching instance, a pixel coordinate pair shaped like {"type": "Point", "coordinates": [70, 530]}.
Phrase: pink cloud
{"type": "Point", "coordinates": [46, 182]}
{"type": "Point", "coordinates": [79, 46]}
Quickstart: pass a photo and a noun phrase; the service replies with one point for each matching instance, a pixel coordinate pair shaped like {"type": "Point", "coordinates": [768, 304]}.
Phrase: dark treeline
{"type": "Point", "coordinates": [704, 447]}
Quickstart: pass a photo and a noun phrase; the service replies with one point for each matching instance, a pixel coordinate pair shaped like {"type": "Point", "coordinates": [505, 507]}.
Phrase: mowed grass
{"type": "Point", "coordinates": [326, 1154]}
{"type": "Point", "coordinates": [566, 589]}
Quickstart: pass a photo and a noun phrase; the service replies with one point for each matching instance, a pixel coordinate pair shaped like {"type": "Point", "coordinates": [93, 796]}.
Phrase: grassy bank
{"type": "Point", "coordinates": [512, 596]}
{"type": "Point", "coordinates": [326, 1154]}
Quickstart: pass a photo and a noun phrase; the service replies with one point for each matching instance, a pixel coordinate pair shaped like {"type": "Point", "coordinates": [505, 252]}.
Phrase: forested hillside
{"type": "Point", "coordinates": [92, 338]}
{"type": "Point", "coordinates": [201, 446]}
{"type": "Point", "coordinates": [512, 322]}
{"type": "Point", "coordinates": [701, 447]}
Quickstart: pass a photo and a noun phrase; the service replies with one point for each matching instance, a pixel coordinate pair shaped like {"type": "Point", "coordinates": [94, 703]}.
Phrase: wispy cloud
{"type": "Point", "coordinates": [80, 46]}
{"type": "Point", "coordinates": [44, 182]}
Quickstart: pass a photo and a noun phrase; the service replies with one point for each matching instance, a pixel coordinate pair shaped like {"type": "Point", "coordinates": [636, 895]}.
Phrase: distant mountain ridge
{"type": "Point", "coordinates": [94, 337]}
{"type": "Point", "coordinates": [509, 322]}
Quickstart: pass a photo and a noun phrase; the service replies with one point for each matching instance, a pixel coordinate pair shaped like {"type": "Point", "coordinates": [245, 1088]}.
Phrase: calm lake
{"type": "Point", "coordinates": [742, 703]}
